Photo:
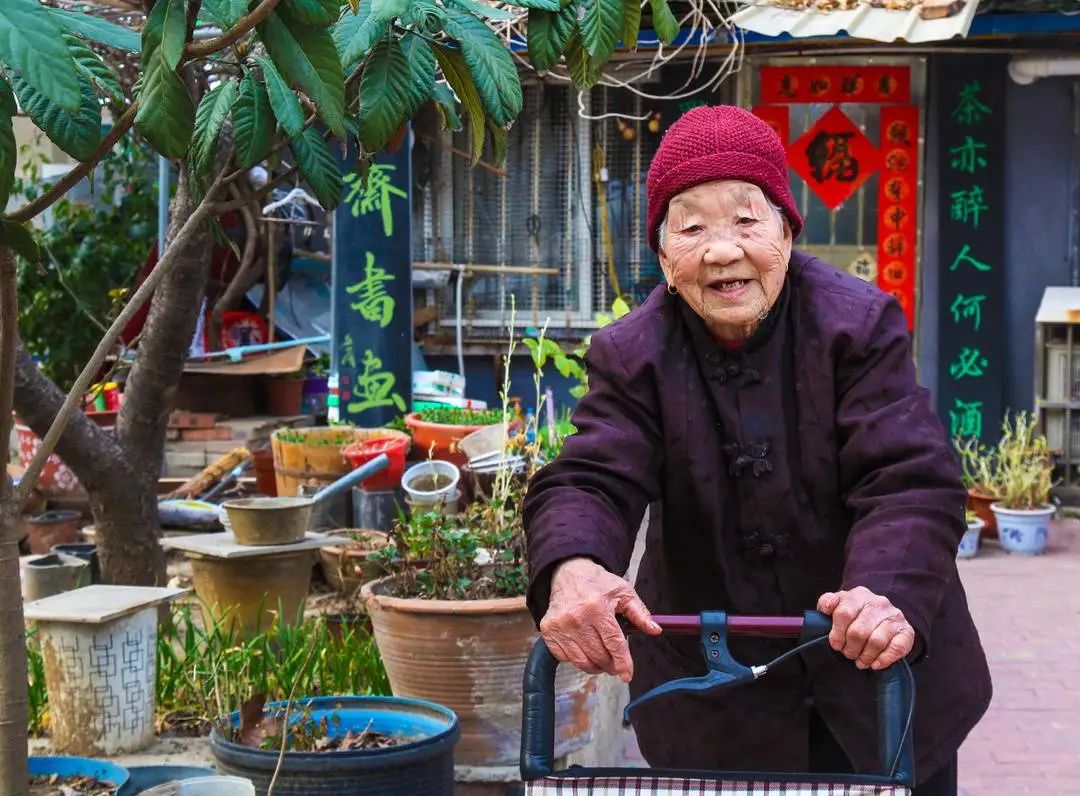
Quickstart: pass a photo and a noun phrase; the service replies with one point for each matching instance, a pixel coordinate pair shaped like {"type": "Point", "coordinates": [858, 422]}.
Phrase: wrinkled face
{"type": "Point", "coordinates": [726, 250]}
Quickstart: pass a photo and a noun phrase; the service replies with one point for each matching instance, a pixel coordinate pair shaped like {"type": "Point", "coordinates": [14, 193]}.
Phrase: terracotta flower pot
{"type": "Point", "coordinates": [348, 567]}
{"type": "Point", "coordinates": [52, 528]}
{"type": "Point", "coordinates": [980, 504]}
{"type": "Point", "coordinates": [469, 656]}
{"type": "Point", "coordinates": [444, 437]}
{"type": "Point", "coordinates": [284, 397]}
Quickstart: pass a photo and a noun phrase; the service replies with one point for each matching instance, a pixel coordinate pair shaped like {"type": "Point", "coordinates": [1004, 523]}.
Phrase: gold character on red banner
{"type": "Point", "coordinates": [895, 245]}
{"type": "Point", "coordinates": [895, 273]}
{"type": "Point", "coordinates": [898, 133]}
{"type": "Point", "coordinates": [852, 86]}
{"type": "Point", "coordinates": [897, 189]}
{"type": "Point", "coordinates": [897, 217]}
{"type": "Point", "coordinates": [820, 86]}
{"type": "Point", "coordinates": [897, 160]}
{"type": "Point", "coordinates": [887, 86]}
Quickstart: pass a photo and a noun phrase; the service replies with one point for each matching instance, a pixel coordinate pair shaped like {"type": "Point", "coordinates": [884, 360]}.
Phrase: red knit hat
{"type": "Point", "coordinates": [718, 142]}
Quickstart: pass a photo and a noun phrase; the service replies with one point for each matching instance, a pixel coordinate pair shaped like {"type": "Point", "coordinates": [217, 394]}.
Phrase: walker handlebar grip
{"type": "Point", "coordinates": [895, 693]}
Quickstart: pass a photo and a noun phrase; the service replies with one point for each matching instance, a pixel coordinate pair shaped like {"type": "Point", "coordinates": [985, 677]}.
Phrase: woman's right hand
{"type": "Point", "coordinates": [580, 625]}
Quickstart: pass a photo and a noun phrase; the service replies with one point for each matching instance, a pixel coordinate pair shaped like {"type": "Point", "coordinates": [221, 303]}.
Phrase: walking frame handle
{"type": "Point", "coordinates": [895, 685]}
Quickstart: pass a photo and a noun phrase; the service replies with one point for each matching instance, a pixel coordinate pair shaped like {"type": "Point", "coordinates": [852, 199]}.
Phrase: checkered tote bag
{"type": "Point", "coordinates": [645, 784]}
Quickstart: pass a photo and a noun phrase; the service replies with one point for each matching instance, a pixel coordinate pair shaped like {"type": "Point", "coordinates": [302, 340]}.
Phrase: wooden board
{"type": "Point", "coordinates": [95, 605]}
{"type": "Point", "coordinates": [287, 360]}
{"type": "Point", "coordinates": [223, 545]}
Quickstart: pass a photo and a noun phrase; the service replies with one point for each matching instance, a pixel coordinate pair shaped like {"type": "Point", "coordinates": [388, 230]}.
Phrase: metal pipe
{"type": "Point", "coordinates": [164, 172]}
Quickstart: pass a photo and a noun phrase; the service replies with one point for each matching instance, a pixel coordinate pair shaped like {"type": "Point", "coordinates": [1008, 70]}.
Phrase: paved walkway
{"type": "Point", "coordinates": [1028, 614]}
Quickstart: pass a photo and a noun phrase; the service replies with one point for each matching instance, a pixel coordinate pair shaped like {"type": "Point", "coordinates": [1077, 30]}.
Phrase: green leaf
{"type": "Point", "coordinates": [319, 167]}
{"type": "Point", "coordinates": [209, 119]}
{"type": "Point", "coordinates": [549, 31]}
{"type": "Point", "coordinates": [164, 33]}
{"type": "Point", "coordinates": [355, 34]}
{"type": "Point", "coordinates": [33, 44]}
{"type": "Point", "coordinates": [253, 123]}
{"type": "Point", "coordinates": [166, 116]}
{"type": "Point", "coordinates": [307, 57]}
{"type": "Point", "coordinates": [8, 149]}
{"type": "Point", "coordinates": [90, 65]}
{"type": "Point", "coordinates": [397, 80]}
{"type": "Point", "coordinates": [664, 22]}
{"type": "Point", "coordinates": [317, 13]}
{"type": "Point", "coordinates": [583, 70]}
{"type": "Point", "coordinates": [223, 13]}
{"type": "Point", "coordinates": [490, 63]}
{"type": "Point", "coordinates": [600, 27]}
{"type": "Point", "coordinates": [425, 17]}
{"type": "Point", "coordinates": [619, 307]}
{"type": "Point", "coordinates": [456, 72]}
{"type": "Point", "coordinates": [19, 239]}
{"type": "Point", "coordinates": [388, 10]}
{"type": "Point", "coordinates": [283, 99]}
{"type": "Point", "coordinates": [500, 141]}
{"type": "Point", "coordinates": [578, 392]}
{"type": "Point", "coordinates": [97, 30]}
{"type": "Point", "coordinates": [631, 23]}
{"type": "Point", "coordinates": [542, 5]}
{"type": "Point", "coordinates": [488, 12]}
{"type": "Point", "coordinates": [77, 134]}
{"type": "Point", "coordinates": [446, 104]}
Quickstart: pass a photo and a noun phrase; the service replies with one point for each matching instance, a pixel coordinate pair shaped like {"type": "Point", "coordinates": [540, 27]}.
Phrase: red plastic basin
{"type": "Point", "coordinates": [360, 453]}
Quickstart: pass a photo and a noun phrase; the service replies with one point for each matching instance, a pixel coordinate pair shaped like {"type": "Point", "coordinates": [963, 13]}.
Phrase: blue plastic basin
{"type": "Point", "coordinates": [101, 770]}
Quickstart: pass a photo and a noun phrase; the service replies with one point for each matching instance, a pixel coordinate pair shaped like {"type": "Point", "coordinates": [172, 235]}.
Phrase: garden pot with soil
{"type": "Point", "coordinates": [1024, 531]}
{"type": "Point", "coordinates": [49, 776]}
{"type": "Point", "coordinates": [263, 463]}
{"type": "Point", "coordinates": [969, 544]}
{"type": "Point", "coordinates": [469, 656]}
{"type": "Point", "coordinates": [52, 528]}
{"type": "Point", "coordinates": [354, 744]}
{"type": "Point", "coordinates": [980, 504]}
{"type": "Point", "coordinates": [313, 456]}
{"type": "Point", "coordinates": [348, 567]}
{"type": "Point", "coordinates": [437, 432]}
{"type": "Point", "coordinates": [51, 574]}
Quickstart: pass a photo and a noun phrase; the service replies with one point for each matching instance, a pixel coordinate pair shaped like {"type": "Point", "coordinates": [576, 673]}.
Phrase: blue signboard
{"type": "Point", "coordinates": [372, 289]}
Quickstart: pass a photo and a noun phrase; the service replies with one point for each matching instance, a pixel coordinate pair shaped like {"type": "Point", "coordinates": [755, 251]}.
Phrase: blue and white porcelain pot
{"type": "Point", "coordinates": [969, 545]}
{"type": "Point", "coordinates": [1023, 531]}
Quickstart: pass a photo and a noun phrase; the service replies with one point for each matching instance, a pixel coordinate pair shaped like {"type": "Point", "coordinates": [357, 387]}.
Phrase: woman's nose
{"type": "Point", "coordinates": [721, 250]}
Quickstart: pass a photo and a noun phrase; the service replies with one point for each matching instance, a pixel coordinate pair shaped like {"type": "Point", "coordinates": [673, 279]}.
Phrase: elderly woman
{"type": "Point", "coordinates": [766, 403]}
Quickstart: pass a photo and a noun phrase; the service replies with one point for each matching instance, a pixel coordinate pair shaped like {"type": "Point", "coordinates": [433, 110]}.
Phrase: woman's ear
{"type": "Point", "coordinates": [665, 264]}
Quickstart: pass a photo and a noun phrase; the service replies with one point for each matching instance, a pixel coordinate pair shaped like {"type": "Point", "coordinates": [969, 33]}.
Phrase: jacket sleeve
{"type": "Point", "coordinates": [590, 500]}
{"type": "Point", "coordinates": [898, 474]}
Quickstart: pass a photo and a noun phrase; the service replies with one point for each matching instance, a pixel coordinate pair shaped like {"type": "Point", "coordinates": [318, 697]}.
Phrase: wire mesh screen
{"type": "Point", "coordinates": [621, 150]}
{"type": "Point", "coordinates": [523, 219]}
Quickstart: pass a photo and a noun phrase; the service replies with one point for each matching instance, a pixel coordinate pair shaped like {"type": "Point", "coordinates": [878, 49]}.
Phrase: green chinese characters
{"type": "Point", "coordinates": [374, 193]}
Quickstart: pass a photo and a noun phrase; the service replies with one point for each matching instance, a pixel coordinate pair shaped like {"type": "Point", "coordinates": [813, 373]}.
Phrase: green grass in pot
{"type": "Point", "coordinates": [1023, 465]}
{"type": "Point", "coordinates": [451, 416]}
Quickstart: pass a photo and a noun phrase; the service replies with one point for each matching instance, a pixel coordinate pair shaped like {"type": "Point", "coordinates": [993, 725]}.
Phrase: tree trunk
{"type": "Point", "coordinates": [120, 473]}
{"type": "Point", "coordinates": [14, 709]}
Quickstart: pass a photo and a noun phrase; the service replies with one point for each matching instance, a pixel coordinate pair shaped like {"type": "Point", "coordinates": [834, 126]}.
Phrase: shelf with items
{"type": "Point", "coordinates": [1057, 377]}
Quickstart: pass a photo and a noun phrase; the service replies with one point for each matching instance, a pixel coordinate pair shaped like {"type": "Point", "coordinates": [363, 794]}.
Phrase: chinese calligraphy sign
{"type": "Point", "coordinates": [372, 292]}
{"type": "Point", "coordinates": [971, 352]}
{"type": "Point", "coordinates": [866, 84]}
{"type": "Point", "coordinates": [898, 204]}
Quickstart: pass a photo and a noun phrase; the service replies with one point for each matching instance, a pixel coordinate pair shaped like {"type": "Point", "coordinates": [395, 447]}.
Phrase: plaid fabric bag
{"type": "Point", "coordinates": [646, 785]}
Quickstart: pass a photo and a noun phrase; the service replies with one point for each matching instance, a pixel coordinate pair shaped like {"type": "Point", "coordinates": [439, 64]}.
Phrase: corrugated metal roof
{"type": "Point", "coordinates": [864, 22]}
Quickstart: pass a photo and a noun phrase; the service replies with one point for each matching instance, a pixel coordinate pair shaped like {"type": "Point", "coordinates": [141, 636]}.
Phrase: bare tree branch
{"type": "Point", "coordinates": [256, 196]}
{"type": "Point", "coordinates": [243, 26]}
{"type": "Point", "coordinates": [69, 180]}
{"type": "Point", "coordinates": [9, 334]}
{"type": "Point", "coordinates": [146, 289]}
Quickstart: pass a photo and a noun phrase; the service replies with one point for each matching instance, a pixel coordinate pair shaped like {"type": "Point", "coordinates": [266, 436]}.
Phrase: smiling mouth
{"type": "Point", "coordinates": [726, 286]}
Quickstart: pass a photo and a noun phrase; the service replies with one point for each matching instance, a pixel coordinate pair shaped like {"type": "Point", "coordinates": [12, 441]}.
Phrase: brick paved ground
{"type": "Point", "coordinates": [1028, 614]}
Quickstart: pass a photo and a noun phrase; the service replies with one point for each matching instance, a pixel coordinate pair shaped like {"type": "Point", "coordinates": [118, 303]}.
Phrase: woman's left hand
{"type": "Point", "coordinates": [867, 628]}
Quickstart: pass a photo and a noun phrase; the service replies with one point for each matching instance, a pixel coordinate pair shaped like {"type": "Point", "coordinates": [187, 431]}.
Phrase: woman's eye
{"type": "Point", "coordinates": [745, 221]}
{"type": "Point", "coordinates": [692, 228]}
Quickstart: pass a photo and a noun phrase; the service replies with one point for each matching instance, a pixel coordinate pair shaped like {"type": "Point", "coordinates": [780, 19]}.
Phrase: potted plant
{"type": "Point", "coordinates": [977, 470]}
{"type": "Point", "coordinates": [1023, 479]}
{"type": "Point", "coordinates": [436, 431]}
{"type": "Point", "coordinates": [285, 395]}
{"type": "Point", "coordinates": [969, 544]}
{"type": "Point", "coordinates": [348, 567]}
{"type": "Point", "coordinates": [451, 622]}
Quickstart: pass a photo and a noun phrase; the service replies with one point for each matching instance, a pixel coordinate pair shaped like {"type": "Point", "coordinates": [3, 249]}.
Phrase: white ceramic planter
{"type": "Point", "coordinates": [1023, 532]}
{"type": "Point", "coordinates": [969, 545]}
